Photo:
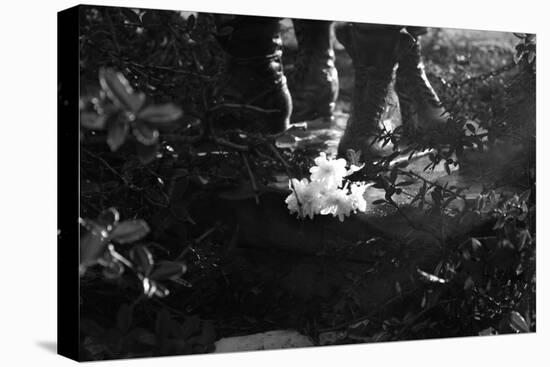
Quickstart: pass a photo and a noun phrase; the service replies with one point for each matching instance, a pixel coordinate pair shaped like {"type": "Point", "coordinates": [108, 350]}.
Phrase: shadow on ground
{"type": "Point", "coordinates": [49, 346]}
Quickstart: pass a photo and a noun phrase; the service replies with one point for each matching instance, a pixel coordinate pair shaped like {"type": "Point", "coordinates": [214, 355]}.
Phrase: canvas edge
{"type": "Point", "coordinates": [68, 292]}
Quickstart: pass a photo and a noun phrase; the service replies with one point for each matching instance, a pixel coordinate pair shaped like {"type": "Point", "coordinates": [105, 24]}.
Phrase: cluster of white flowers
{"type": "Point", "coordinates": [326, 193]}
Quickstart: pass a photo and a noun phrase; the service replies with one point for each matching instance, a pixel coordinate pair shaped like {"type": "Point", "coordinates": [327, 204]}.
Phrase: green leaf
{"type": "Point", "coordinates": [117, 134]}
{"type": "Point", "coordinates": [146, 153]}
{"type": "Point", "coordinates": [148, 18]}
{"type": "Point", "coordinates": [381, 336]}
{"type": "Point", "coordinates": [143, 259]}
{"type": "Point", "coordinates": [393, 174]}
{"type": "Point", "coordinates": [190, 23]}
{"type": "Point", "coordinates": [393, 156]}
{"type": "Point", "coordinates": [476, 245]}
{"type": "Point", "coordinates": [430, 278]}
{"type": "Point", "coordinates": [93, 121]}
{"type": "Point", "coordinates": [405, 183]}
{"type": "Point", "coordinates": [129, 231]}
{"type": "Point", "coordinates": [108, 218]}
{"type": "Point", "coordinates": [160, 290]}
{"type": "Point", "coordinates": [436, 197]}
{"type": "Point", "coordinates": [178, 184]}
{"type": "Point", "coordinates": [524, 196]}
{"type": "Point", "coordinates": [499, 223]}
{"type": "Point", "coordinates": [524, 238]}
{"type": "Point", "coordinates": [118, 89]}
{"type": "Point", "coordinates": [168, 270]}
{"type": "Point", "coordinates": [531, 57]}
{"type": "Point", "coordinates": [145, 135]}
{"type": "Point", "coordinates": [92, 246]}
{"type": "Point", "coordinates": [488, 331]}
{"type": "Point", "coordinates": [161, 114]}
{"type": "Point", "coordinates": [469, 284]}
{"type": "Point", "coordinates": [149, 287]}
{"type": "Point", "coordinates": [466, 253]}
{"type": "Point", "coordinates": [447, 168]}
{"type": "Point", "coordinates": [518, 323]}
{"type": "Point", "coordinates": [225, 31]}
{"type": "Point", "coordinates": [179, 210]}
{"type": "Point", "coordinates": [131, 15]}
{"type": "Point", "coordinates": [113, 270]}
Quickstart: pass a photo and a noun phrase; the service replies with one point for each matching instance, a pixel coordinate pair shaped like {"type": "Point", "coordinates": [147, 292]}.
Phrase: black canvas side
{"type": "Point", "coordinates": [68, 183]}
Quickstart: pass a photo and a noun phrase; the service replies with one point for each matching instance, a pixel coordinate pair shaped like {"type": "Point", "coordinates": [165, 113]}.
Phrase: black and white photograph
{"type": "Point", "coordinates": [260, 182]}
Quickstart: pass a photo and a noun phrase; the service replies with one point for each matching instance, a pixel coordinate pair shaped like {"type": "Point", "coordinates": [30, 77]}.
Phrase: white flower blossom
{"type": "Point", "coordinates": [357, 198]}
{"type": "Point", "coordinates": [338, 204]}
{"type": "Point", "coordinates": [326, 193]}
{"type": "Point", "coordinates": [309, 198]}
{"type": "Point", "coordinates": [331, 172]}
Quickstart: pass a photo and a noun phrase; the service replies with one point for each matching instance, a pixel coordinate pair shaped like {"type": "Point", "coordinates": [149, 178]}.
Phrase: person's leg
{"type": "Point", "coordinates": [254, 92]}
{"type": "Point", "coordinates": [314, 80]}
{"type": "Point", "coordinates": [373, 49]}
{"type": "Point", "coordinates": [419, 104]}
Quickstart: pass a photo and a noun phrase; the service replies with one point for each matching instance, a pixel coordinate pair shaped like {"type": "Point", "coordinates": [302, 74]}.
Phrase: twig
{"type": "Point", "coordinates": [252, 179]}
{"type": "Point", "coordinates": [432, 184]}
{"type": "Point", "coordinates": [160, 184]}
{"type": "Point", "coordinates": [484, 76]}
{"type": "Point", "coordinates": [120, 258]}
{"type": "Point", "coordinates": [229, 144]}
{"type": "Point", "coordinates": [168, 69]}
{"type": "Point", "coordinates": [113, 32]}
{"type": "Point", "coordinates": [280, 158]}
{"type": "Point", "coordinates": [264, 156]}
{"type": "Point", "coordinates": [415, 225]}
{"type": "Point", "coordinates": [294, 127]}
{"type": "Point", "coordinates": [368, 316]}
{"type": "Point", "coordinates": [204, 235]}
{"type": "Point", "coordinates": [110, 168]}
{"type": "Point", "coordinates": [195, 242]}
{"type": "Point", "coordinates": [411, 323]}
{"type": "Point", "coordinates": [288, 173]}
{"type": "Point", "coordinates": [243, 106]}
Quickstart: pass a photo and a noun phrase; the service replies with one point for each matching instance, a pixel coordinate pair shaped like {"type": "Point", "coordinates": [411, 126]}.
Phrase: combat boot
{"type": "Point", "coordinates": [314, 80]}
{"type": "Point", "coordinates": [420, 106]}
{"type": "Point", "coordinates": [254, 94]}
{"type": "Point", "coordinates": [373, 50]}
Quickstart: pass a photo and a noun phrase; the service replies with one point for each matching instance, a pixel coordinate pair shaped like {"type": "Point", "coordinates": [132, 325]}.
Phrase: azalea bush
{"type": "Point", "coordinates": [119, 110]}
{"type": "Point", "coordinates": [97, 246]}
{"type": "Point", "coordinates": [142, 161]}
{"type": "Point", "coordinates": [138, 247]}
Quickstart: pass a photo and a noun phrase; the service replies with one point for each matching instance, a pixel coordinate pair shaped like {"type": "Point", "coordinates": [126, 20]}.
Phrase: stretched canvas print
{"type": "Point", "coordinates": [235, 183]}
